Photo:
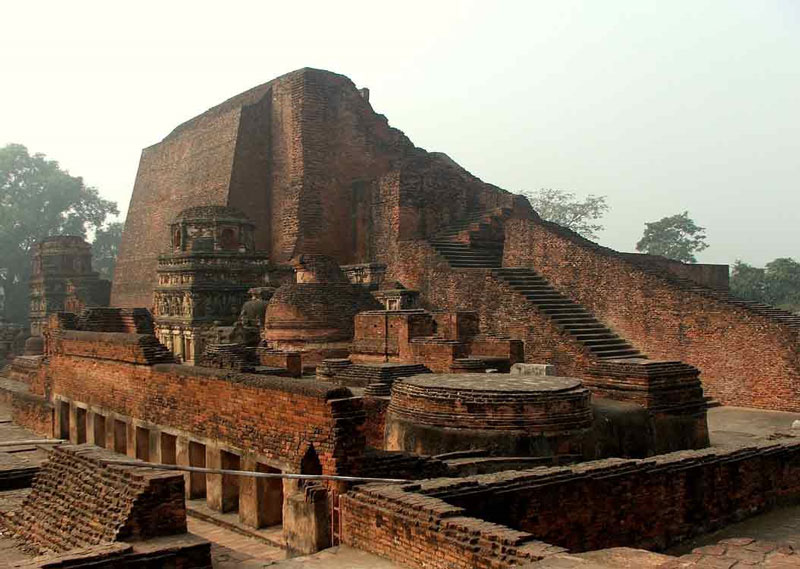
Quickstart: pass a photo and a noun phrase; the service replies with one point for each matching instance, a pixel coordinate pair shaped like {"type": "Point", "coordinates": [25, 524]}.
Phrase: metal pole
{"type": "Point", "coordinates": [32, 442]}
{"type": "Point", "coordinates": [143, 464]}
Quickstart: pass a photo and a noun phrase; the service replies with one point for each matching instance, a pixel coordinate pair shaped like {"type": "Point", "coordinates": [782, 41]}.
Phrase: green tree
{"type": "Point", "coordinates": [783, 283]}
{"type": "Point", "coordinates": [777, 284]}
{"type": "Point", "coordinates": [675, 237]}
{"type": "Point", "coordinates": [565, 209]}
{"type": "Point", "coordinates": [105, 248]}
{"type": "Point", "coordinates": [38, 199]}
{"type": "Point", "coordinates": [749, 282]}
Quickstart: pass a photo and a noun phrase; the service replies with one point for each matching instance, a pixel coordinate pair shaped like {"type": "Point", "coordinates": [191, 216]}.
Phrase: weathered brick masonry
{"type": "Point", "coordinates": [746, 358]}
{"type": "Point", "coordinates": [276, 417]}
{"type": "Point", "coordinates": [497, 520]}
{"type": "Point", "coordinates": [77, 501]}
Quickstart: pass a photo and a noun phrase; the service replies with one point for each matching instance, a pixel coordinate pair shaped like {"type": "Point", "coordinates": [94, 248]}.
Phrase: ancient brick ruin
{"type": "Point", "coordinates": [301, 290]}
{"type": "Point", "coordinates": [62, 280]}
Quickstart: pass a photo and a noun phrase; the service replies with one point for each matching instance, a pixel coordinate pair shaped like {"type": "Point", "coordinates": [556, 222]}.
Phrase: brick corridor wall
{"type": "Point", "coordinates": [746, 359]}
{"type": "Point", "coordinates": [274, 416]}
{"type": "Point", "coordinates": [77, 501]}
{"type": "Point", "coordinates": [499, 520]}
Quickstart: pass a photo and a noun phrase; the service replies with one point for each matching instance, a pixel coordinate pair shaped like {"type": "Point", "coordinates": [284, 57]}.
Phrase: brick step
{"type": "Point", "coordinates": [623, 354]}
{"type": "Point", "coordinates": [609, 348]}
{"type": "Point", "coordinates": [551, 302]}
{"type": "Point", "coordinates": [543, 295]}
{"type": "Point", "coordinates": [528, 280]}
{"type": "Point", "coordinates": [606, 335]}
{"type": "Point", "coordinates": [614, 341]}
{"type": "Point", "coordinates": [578, 329]}
{"type": "Point", "coordinates": [463, 257]}
{"type": "Point", "coordinates": [578, 320]}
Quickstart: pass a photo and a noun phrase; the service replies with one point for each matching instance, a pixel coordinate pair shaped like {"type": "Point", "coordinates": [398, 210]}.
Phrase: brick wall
{"type": "Point", "coordinates": [273, 416]}
{"type": "Point", "coordinates": [745, 358]}
{"type": "Point", "coordinates": [499, 520]}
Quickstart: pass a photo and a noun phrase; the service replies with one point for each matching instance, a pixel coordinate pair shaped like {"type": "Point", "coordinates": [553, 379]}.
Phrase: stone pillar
{"type": "Point", "coordinates": [188, 453]}
{"type": "Point", "coordinates": [131, 439]}
{"type": "Point", "coordinates": [155, 446]}
{"type": "Point", "coordinates": [73, 424]}
{"type": "Point", "coordinates": [222, 489]}
{"type": "Point", "coordinates": [260, 499]}
{"type": "Point", "coordinates": [214, 481]}
{"type": "Point", "coordinates": [92, 433]}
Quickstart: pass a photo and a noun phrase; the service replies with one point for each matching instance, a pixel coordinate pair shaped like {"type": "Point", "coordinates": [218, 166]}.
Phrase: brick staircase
{"type": "Point", "coordinates": [570, 316]}
{"type": "Point", "coordinates": [461, 255]}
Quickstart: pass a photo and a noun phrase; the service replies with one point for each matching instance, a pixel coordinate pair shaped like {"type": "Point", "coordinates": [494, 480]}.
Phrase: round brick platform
{"type": "Point", "coordinates": [504, 414]}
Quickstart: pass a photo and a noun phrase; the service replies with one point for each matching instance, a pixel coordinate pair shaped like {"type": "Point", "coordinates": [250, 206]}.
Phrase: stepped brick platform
{"type": "Point", "coordinates": [126, 320]}
{"type": "Point", "coordinates": [132, 348]}
{"type": "Point", "coordinates": [328, 369]}
{"type": "Point", "coordinates": [77, 501]}
{"type": "Point", "coordinates": [23, 368]}
{"type": "Point", "coordinates": [468, 365]}
{"type": "Point", "coordinates": [668, 386]}
{"type": "Point", "coordinates": [570, 316]}
{"type": "Point", "coordinates": [377, 378]}
{"type": "Point", "coordinates": [509, 415]}
{"type": "Point", "coordinates": [229, 356]}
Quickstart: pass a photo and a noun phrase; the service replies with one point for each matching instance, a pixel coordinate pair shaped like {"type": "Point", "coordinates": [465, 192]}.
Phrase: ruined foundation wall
{"type": "Point", "coordinates": [427, 533]}
{"type": "Point", "coordinates": [648, 503]}
{"type": "Point", "coordinates": [745, 358]}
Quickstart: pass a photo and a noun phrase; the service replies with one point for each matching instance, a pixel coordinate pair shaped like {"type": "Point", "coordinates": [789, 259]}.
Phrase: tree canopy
{"type": "Point", "coordinates": [778, 283]}
{"type": "Point", "coordinates": [565, 209]}
{"type": "Point", "coordinates": [105, 248]}
{"type": "Point", "coordinates": [39, 199]}
{"type": "Point", "coordinates": [675, 237]}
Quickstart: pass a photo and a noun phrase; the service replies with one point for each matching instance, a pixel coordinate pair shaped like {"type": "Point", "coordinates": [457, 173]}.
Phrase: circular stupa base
{"type": "Point", "coordinates": [507, 415]}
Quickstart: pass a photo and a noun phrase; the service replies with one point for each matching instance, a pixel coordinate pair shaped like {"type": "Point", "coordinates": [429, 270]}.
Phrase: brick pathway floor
{"type": "Point", "coordinates": [231, 550]}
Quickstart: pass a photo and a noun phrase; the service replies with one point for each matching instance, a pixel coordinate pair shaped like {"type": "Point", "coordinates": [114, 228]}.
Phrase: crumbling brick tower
{"type": "Point", "coordinates": [318, 171]}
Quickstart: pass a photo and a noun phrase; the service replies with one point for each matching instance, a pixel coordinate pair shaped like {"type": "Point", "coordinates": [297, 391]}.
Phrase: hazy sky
{"type": "Point", "coordinates": [662, 106]}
